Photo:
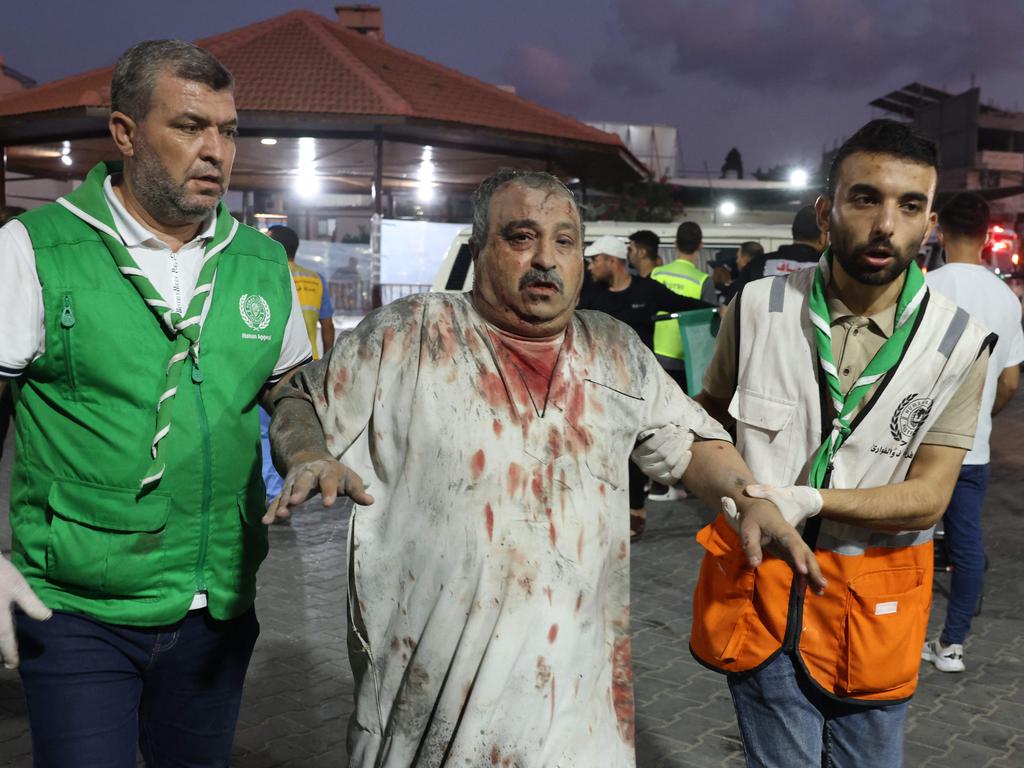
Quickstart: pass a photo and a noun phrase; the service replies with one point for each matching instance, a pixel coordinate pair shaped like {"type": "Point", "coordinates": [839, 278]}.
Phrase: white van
{"type": "Point", "coordinates": [456, 272]}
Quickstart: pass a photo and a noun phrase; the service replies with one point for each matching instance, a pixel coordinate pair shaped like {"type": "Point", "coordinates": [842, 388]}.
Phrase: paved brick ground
{"type": "Point", "coordinates": [299, 689]}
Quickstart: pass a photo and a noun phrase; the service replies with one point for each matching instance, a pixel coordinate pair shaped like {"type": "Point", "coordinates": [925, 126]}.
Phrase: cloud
{"type": "Point", "coordinates": [546, 76]}
{"type": "Point", "coordinates": [843, 44]}
{"type": "Point", "coordinates": [625, 76]}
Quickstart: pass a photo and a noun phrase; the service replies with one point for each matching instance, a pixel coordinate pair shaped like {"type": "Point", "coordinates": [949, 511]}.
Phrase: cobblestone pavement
{"type": "Point", "coordinates": [299, 689]}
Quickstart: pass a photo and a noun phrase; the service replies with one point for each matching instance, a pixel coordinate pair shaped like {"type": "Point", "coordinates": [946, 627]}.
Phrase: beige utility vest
{"type": "Point", "coordinates": [861, 639]}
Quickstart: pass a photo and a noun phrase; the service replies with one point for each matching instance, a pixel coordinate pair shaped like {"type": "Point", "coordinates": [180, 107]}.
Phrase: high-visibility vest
{"type": "Point", "coordinates": [310, 288]}
{"type": "Point", "coordinates": [682, 277]}
{"type": "Point", "coordinates": [862, 639]}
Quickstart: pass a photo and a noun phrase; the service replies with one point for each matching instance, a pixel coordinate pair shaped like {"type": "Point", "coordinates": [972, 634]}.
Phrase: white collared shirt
{"type": "Point", "coordinates": [173, 275]}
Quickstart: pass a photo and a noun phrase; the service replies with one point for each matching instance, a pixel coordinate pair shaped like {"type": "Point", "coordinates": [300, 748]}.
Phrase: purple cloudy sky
{"type": "Point", "coordinates": [779, 79]}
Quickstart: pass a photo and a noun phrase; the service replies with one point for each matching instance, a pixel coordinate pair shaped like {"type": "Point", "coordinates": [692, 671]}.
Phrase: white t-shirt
{"type": "Point", "coordinates": [172, 274]}
{"type": "Point", "coordinates": [995, 306]}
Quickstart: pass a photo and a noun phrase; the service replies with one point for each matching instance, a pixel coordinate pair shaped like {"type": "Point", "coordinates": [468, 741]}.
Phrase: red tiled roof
{"type": "Point", "coordinates": [302, 62]}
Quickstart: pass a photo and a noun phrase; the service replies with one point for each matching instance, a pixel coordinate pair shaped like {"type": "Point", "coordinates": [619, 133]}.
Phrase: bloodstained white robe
{"type": "Point", "coordinates": [489, 580]}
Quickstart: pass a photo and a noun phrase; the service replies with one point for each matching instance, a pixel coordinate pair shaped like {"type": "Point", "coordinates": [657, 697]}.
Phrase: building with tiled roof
{"type": "Point", "coordinates": [335, 80]}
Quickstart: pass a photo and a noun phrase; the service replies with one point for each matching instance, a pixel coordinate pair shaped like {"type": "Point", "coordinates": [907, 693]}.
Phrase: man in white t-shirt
{"type": "Point", "coordinates": [963, 230]}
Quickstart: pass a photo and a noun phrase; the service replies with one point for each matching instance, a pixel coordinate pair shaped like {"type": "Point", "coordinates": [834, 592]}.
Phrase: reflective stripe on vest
{"type": "Point", "coordinates": [861, 639]}
{"type": "Point", "coordinates": [684, 278]}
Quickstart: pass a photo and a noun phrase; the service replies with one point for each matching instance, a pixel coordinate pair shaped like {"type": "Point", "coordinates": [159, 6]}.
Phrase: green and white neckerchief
{"type": "Point", "coordinates": [183, 329]}
{"type": "Point", "coordinates": [888, 355]}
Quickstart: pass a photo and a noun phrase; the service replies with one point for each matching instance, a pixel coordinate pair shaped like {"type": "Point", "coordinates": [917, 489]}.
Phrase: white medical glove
{"type": "Point", "coordinates": [15, 590]}
{"type": "Point", "coordinates": [664, 454]}
{"type": "Point", "coordinates": [796, 502]}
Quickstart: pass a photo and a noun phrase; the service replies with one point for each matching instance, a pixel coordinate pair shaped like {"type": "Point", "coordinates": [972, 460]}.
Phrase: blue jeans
{"type": "Point", "coordinates": [271, 479]}
{"type": "Point", "coordinates": [962, 526]}
{"type": "Point", "coordinates": [95, 690]}
{"type": "Point", "coordinates": [785, 721]}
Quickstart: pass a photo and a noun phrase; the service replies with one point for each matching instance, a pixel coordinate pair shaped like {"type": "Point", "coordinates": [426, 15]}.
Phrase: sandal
{"type": "Point", "coordinates": [636, 526]}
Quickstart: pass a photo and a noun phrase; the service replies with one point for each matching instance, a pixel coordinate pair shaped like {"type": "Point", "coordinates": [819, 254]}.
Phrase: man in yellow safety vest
{"type": "Point", "coordinates": [684, 277]}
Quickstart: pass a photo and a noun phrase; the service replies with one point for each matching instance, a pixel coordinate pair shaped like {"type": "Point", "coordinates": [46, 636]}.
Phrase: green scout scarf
{"type": "Point", "coordinates": [907, 307]}
{"type": "Point", "coordinates": [184, 329]}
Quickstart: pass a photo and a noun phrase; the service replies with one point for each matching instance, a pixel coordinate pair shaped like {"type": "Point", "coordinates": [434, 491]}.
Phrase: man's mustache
{"type": "Point", "coordinates": [211, 172]}
{"type": "Point", "coordinates": [549, 276]}
{"type": "Point", "coordinates": [877, 244]}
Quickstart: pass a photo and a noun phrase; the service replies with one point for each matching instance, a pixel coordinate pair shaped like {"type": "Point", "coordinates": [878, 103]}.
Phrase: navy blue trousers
{"type": "Point", "coordinates": [96, 690]}
{"type": "Point", "coordinates": [962, 526]}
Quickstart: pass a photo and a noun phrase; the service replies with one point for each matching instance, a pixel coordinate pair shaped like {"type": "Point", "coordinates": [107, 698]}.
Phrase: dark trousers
{"type": "Point", "coordinates": [962, 527]}
{"type": "Point", "coordinates": [97, 690]}
{"type": "Point", "coordinates": [637, 487]}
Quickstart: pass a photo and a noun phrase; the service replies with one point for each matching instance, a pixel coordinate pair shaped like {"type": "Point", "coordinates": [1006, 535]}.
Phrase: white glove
{"type": "Point", "coordinates": [14, 589]}
{"type": "Point", "coordinates": [796, 502]}
{"type": "Point", "coordinates": [664, 454]}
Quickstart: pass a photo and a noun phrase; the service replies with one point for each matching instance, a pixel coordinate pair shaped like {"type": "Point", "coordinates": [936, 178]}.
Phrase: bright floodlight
{"type": "Point", "coordinates": [66, 159]}
{"type": "Point", "coordinates": [307, 184]}
{"type": "Point", "coordinates": [425, 177]}
{"type": "Point", "coordinates": [268, 141]}
{"type": "Point", "coordinates": [727, 208]}
{"type": "Point", "coordinates": [798, 178]}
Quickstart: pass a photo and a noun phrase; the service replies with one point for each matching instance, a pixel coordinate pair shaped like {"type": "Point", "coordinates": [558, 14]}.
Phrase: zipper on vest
{"type": "Point", "coordinates": [204, 532]}
{"type": "Point", "coordinates": [67, 322]}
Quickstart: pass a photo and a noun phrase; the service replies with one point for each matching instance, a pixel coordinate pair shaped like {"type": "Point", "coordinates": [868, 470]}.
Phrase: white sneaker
{"type": "Point", "coordinates": [674, 493]}
{"type": "Point", "coordinates": [948, 658]}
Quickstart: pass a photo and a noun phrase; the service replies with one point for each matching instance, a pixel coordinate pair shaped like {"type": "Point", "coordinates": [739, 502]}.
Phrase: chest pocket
{"type": "Point", "coordinates": [613, 419]}
{"type": "Point", "coordinates": [766, 428]}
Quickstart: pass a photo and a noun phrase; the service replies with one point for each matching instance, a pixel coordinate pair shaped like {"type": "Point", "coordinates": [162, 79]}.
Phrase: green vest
{"type": "Point", "coordinates": [682, 277]}
{"type": "Point", "coordinates": [85, 413]}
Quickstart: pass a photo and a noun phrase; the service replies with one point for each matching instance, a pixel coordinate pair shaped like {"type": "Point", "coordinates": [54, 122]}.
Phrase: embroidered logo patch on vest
{"type": "Point", "coordinates": [908, 417]}
{"type": "Point", "coordinates": [254, 310]}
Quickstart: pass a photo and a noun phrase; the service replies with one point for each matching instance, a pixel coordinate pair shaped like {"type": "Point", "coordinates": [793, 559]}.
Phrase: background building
{"type": "Point", "coordinates": [981, 147]}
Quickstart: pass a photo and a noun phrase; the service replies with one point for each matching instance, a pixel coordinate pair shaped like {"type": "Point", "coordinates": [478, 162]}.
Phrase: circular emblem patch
{"type": "Point", "coordinates": [908, 417]}
{"type": "Point", "coordinates": [254, 311]}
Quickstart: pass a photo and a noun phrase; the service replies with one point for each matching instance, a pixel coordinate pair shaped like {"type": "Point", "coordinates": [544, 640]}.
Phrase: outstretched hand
{"type": "Point", "coordinates": [762, 526]}
{"type": "Point", "coordinates": [311, 472]}
{"type": "Point", "coordinates": [14, 590]}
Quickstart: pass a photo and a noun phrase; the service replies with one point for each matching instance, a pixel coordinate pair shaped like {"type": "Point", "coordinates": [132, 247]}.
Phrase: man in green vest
{"type": "Point", "coordinates": [143, 325]}
{"type": "Point", "coordinates": [684, 277]}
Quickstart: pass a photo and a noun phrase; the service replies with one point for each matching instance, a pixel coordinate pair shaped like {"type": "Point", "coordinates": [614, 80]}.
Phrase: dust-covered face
{"type": "Point", "coordinates": [530, 269]}
{"type": "Point", "coordinates": [879, 215]}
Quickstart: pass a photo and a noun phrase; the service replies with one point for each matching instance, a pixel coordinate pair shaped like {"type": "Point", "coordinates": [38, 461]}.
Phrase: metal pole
{"type": "Point", "coordinates": [377, 197]}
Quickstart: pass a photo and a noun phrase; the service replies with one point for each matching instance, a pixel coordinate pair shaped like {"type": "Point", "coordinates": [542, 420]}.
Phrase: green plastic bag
{"type": "Point", "coordinates": [698, 329]}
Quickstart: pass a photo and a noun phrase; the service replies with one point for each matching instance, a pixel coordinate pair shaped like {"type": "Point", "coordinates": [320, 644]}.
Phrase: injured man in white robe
{"type": "Point", "coordinates": [484, 438]}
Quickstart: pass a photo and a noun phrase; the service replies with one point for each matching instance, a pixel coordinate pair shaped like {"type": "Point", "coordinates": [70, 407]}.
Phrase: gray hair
{"type": "Point", "coordinates": [136, 71]}
{"type": "Point", "coordinates": [533, 179]}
